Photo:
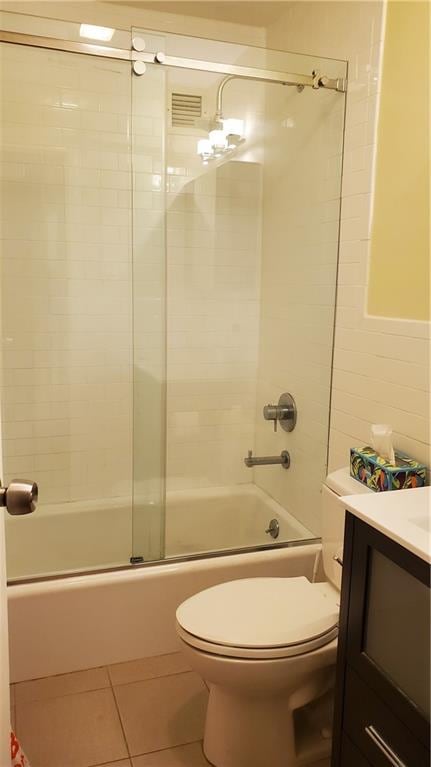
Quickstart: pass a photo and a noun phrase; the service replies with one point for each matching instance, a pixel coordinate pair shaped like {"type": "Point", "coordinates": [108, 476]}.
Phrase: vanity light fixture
{"type": "Point", "coordinates": [92, 32]}
{"type": "Point", "coordinates": [205, 150]}
{"type": "Point", "coordinates": [225, 136]}
{"type": "Point", "coordinates": [235, 131]}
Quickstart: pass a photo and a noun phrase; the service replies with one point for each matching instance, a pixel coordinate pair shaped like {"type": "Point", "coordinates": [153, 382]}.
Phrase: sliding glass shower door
{"type": "Point", "coordinates": [253, 174]}
{"type": "Point", "coordinates": [77, 339]}
{"type": "Point", "coordinates": [168, 267]}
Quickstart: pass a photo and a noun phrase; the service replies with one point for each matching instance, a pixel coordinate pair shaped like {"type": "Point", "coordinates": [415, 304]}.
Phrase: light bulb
{"type": "Point", "coordinates": [218, 139]}
{"type": "Point", "coordinates": [96, 33]}
{"type": "Point", "coordinates": [233, 127]}
{"type": "Point", "coordinates": [204, 147]}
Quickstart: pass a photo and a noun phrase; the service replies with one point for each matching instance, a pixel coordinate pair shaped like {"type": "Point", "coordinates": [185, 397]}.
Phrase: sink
{"type": "Point", "coordinates": [423, 521]}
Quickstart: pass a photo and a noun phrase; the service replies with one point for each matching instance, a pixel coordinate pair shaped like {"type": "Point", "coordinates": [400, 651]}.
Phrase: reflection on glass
{"type": "Point", "coordinates": [252, 235]}
{"type": "Point", "coordinates": [65, 303]}
{"type": "Point", "coordinates": [398, 628]}
{"type": "Point", "coordinates": [174, 237]}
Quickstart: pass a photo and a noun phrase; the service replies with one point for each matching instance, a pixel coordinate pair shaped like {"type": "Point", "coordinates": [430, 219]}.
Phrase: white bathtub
{"type": "Point", "coordinates": [65, 537]}
{"type": "Point", "coordinates": [79, 622]}
{"type": "Point", "coordinates": [93, 535]}
{"type": "Point", "coordinates": [220, 518]}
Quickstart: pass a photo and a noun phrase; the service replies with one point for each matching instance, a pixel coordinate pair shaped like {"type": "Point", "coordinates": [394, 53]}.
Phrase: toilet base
{"type": "Point", "coordinates": [253, 705]}
{"type": "Point", "coordinates": [248, 732]}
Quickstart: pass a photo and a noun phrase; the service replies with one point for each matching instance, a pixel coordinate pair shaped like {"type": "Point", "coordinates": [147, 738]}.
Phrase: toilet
{"type": "Point", "coordinates": [266, 647]}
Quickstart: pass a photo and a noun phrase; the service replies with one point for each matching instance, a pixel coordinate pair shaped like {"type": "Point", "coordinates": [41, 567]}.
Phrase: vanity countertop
{"type": "Point", "coordinates": [403, 515]}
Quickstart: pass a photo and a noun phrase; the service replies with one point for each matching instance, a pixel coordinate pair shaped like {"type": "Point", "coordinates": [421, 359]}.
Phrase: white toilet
{"type": "Point", "coordinates": [267, 647]}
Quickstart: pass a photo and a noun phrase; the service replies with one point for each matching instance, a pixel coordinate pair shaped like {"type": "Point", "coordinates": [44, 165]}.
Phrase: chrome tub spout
{"type": "Point", "coordinates": [268, 460]}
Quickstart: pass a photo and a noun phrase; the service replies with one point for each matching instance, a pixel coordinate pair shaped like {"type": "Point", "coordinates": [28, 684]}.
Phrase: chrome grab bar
{"type": "Point", "coordinates": [383, 747]}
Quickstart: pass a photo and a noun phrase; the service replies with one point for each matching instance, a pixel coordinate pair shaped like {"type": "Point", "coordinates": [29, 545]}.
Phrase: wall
{"type": "Point", "coordinates": [380, 365]}
{"type": "Point", "coordinates": [121, 16]}
{"type": "Point", "coordinates": [399, 282]}
{"type": "Point", "coordinates": [303, 144]}
{"type": "Point", "coordinates": [68, 224]}
{"type": "Point", "coordinates": [66, 274]}
{"type": "Point", "coordinates": [213, 314]}
{"type": "Point", "coordinates": [213, 285]}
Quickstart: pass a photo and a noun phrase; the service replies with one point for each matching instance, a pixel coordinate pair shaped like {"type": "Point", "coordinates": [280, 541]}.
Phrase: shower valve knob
{"type": "Point", "coordinates": [284, 412]}
{"type": "Point", "coordinates": [19, 497]}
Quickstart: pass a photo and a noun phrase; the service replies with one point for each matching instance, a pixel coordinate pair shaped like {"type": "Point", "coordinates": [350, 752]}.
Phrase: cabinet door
{"type": "Point", "coordinates": [350, 755]}
{"type": "Point", "coordinates": [389, 625]}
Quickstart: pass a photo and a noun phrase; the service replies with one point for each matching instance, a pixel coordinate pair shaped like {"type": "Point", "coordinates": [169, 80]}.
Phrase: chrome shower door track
{"type": "Point", "coordinates": [167, 561]}
{"type": "Point", "coordinates": [314, 81]}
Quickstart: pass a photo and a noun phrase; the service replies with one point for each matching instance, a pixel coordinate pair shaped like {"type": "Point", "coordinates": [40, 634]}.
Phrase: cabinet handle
{"type": "Point", "coordinates": [381, 744]}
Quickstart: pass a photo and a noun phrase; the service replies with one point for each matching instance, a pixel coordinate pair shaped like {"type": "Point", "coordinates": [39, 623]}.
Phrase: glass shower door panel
{"type": "Point", "coordinates": [66, 284]}
{"type": "Point", "coordinates": [252, 246]}
{"type": "Point", "coordinates": [149, 310]}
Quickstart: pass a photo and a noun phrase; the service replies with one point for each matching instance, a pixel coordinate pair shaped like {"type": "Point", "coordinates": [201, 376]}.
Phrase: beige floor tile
{"type": "Point", "coordinates": [182, 756]}
{"type": "Point", "coordinates": [123, 763]}
{"type": "Point", "coordinates": [64, 684]}
{"type": "Point", "coordinates": [148, 668]}
{"type": "Point", "coordinates": [161, 713]}
{"type": "Point", "coordinates": [73, 731]}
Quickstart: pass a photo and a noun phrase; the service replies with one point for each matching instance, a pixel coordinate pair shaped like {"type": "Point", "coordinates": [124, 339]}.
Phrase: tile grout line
{"type": "Point", "coordinates": [64, 695]}
{"type": "Point", "coordinates": [168, 748]}
{"type": "Point", "coordinates": [110, 683]}
{"type": "Point", "coordinates": [121, 721]}
{"type": "Point", "coordinates": [152, 678]}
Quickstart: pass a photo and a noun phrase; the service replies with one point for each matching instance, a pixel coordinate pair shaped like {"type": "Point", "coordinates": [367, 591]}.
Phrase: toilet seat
{"type": "Point", "coordinates": [260, 618]}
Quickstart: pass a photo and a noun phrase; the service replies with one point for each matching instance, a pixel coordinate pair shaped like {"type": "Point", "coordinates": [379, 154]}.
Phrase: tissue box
{"type": "Point", "coordinates": [379, 475]}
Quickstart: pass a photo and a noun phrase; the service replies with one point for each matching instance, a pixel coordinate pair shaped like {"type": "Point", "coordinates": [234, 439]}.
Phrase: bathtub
{"type": "Point", "coordinates": [73, 623]}
{"type": "Point", "coordinates": [64, 537]}
{"type": "Point", "coordinates": [220, 518]}
{"type": "Point", "coordinates": [94, 535]}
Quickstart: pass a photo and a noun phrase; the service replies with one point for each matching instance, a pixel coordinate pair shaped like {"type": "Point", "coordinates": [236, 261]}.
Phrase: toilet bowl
{"type": "Point", "coordinates": [266, 648]}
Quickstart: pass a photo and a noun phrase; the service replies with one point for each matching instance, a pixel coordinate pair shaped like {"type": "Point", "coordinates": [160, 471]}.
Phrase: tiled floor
{"type": "Point", "coordinates": [145, 713]}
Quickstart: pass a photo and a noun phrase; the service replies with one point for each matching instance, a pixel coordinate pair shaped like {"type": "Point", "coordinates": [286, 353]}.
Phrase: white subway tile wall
{"type": "Point", "coordinates": [213, 314]}
{"type": "Point", "coordinates": [213, 288]}
{"type": "Point", "coordinates": [303, 144]}
{"type": "Point", "coordinates": [66, 273]}
{"type": "Point", "coordinates": [381, 366]}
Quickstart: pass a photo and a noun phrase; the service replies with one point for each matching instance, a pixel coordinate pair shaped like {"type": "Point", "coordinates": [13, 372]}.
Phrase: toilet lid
{"type": "Point", "coordinates": [260, 613]}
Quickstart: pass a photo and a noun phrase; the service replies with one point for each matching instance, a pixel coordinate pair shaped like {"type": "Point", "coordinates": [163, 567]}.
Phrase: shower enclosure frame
{"type": "Point", "coordinates": [315, 80]}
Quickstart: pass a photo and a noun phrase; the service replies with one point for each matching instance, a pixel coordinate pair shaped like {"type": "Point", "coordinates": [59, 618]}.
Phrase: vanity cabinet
{"type": "Point", "coordinates": [382, 696]}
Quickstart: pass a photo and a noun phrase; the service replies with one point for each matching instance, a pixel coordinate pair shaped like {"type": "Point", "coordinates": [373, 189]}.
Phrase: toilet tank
{"type": "Point", "coordinates": [337, 484]}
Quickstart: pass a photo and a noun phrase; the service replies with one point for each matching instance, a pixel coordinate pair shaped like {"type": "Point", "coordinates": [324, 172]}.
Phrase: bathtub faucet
{"type": "Point", "coordinates": [267, 460]}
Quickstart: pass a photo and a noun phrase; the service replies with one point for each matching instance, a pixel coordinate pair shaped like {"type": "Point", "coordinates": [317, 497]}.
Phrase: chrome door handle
{"type": "Point", "coordinates": [20, 497]}
{"type": "Point", "coordinates": [383, 747]}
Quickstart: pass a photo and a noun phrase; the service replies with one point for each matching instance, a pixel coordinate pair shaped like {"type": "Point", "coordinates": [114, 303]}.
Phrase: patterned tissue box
{"type": "Point", "coordinates": [379, 475]}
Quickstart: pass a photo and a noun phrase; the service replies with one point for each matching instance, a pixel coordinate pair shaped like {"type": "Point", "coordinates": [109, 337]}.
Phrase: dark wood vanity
{"type": "Point", "coordinates": [382, 696]}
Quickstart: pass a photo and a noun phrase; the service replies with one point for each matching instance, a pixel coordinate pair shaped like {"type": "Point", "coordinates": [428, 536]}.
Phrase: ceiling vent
{"type": "Point", "coordinates": [186, 109]}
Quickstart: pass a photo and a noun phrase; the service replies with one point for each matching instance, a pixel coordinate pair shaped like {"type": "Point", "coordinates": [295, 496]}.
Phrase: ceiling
{"type": "Point", "coordinates": [259, 14]}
